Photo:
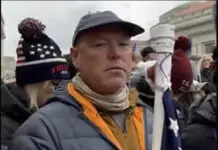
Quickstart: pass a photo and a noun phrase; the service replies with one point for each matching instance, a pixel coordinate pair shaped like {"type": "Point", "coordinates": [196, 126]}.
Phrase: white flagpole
{"type": "Point", "coordinates": [162, 40]}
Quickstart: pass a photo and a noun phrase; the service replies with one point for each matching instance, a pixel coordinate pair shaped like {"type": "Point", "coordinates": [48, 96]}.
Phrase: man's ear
{"type": "Point", "coordinates": [75, 56]}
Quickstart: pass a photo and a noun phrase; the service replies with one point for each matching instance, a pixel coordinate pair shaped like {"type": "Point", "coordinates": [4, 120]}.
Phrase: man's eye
{"type": "Point", "coordinates": [99, 44]}
{"type": "Point", "coordinates": [124, 44]}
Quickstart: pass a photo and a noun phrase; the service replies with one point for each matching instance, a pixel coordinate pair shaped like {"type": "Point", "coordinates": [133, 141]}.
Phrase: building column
{"type": "Point", "coordinates": [194, 49]}
{"type": "Point", "coordinates": [199, 49]}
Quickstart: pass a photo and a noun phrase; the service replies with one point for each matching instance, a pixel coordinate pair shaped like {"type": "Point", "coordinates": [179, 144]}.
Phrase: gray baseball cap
{"type": "Point", "coordinates": [93, 20]}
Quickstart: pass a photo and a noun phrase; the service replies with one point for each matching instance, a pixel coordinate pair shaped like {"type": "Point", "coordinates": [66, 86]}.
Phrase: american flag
{"type": "Point", "coordinates": [36, 51]}
{"type": "Point", "coordinates": [171, 137]}
{"type": "Point", "coordinates": [20, 54]}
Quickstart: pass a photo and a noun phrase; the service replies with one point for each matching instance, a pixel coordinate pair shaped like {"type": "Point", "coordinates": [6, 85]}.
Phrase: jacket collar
{"type": "Point", "coordinates": [61, 94]}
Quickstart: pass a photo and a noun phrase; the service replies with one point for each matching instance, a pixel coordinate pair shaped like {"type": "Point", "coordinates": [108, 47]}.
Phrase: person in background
{"type": "Point", "coordinates": [215, 51]}
{"type": "Point", "coordinates": [14, 110]}
{"type": "Point", "coordinates": [40, 64]}
{"type": "Point", "coordinates": [205, 62]}
{"type": "Point", "coordinates": [148, 57]}
{"type": "Point", "coordinates": [184, 43]}
{"type": "Point", "coordinates": [207, 70]}
{"type": "Point", "coordinates": [181, 80]}
{"type": "Point", "coordinates": [215, 58]}
{"type": "Point", "coordinates": [201, 132]}
{"type": "Point", "coordinates": [95, 109]}
{"type": "Point", "coordinates": [147, 54]}
{"type": "Point", "coordinates": [143, 84]}
{"type": "Point", "coordinates": [14, 107]}
{"type": "Point", "coordinates": [39, 68]}
{"type": "Point", "coordinates": [202, 117]}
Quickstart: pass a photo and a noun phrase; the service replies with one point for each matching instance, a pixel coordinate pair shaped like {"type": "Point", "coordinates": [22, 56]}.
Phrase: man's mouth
{"type": "Point", "coordinates": [116, 68]}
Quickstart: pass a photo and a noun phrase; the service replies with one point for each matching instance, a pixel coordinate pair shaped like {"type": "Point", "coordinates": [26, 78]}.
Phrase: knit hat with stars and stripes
{"type": "Point", "coordinates": [38, 57]}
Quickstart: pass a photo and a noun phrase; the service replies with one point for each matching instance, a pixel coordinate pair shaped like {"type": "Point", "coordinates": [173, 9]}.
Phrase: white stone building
{"type": "Point", "coordinates": [194, 20]}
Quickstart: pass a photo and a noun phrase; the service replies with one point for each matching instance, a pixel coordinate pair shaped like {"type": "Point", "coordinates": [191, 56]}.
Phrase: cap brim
{"type": "Point", "coordinates": [130, 28]}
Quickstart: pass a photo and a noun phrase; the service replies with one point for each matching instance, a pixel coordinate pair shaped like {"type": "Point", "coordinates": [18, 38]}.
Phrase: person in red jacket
{"type": "Point", "coordinates": [184, 43]}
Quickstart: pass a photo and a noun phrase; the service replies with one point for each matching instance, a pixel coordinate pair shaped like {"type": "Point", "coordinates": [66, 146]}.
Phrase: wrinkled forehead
{"type": "Point", "coordinates": [109, 28]}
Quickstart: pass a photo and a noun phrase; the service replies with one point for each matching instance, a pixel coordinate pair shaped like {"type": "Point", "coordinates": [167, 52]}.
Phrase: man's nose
{"type": "Point", "coordinates": [114, 51]}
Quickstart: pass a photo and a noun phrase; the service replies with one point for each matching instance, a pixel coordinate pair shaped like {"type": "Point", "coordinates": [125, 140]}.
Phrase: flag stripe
{"type": "Point", "coordinates": [19, 46]}
{"type": "Point", "coordinates": [21, 58]}
{"type": "Point", "coordinates": [20, 53]}
{"type": "Point", "coordinates": [42, 61]}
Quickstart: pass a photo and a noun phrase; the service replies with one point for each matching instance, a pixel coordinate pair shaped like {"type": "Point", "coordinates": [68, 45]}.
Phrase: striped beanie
{"type": "Point", "coordinates": [39, 58]}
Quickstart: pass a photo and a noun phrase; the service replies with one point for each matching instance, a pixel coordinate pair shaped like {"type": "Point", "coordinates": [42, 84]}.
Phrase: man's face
{"type": "Point", "coordinates": [103, 57]}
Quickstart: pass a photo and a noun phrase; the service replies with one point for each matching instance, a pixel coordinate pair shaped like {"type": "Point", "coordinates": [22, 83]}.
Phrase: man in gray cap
{"type": "Point", "coordinates": [96, 110]}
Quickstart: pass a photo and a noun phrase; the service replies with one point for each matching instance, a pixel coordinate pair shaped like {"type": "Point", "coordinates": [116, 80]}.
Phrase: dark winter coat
{"type": "Point", "coordinates": [14, 110]}
{"type": "Point", "coordinates": [207, 75]}
{"type": "Point", "coordinates": [200, 133]}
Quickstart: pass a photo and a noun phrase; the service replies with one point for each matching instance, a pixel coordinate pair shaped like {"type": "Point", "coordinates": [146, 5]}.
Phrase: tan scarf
{"type": "Point", "coordinates": [112, 102]}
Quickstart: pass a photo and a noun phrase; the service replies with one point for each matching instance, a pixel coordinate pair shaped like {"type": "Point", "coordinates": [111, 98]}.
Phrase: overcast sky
{"type": "Point", "coordinates": [61, 17]}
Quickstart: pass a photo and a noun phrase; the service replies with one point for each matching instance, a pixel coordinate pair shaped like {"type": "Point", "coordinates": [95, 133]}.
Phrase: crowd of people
{"type": "Point", "coordinates": [98, 97]}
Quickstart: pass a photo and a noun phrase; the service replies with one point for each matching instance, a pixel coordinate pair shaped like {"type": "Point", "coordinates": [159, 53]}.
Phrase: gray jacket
{"type": "Point", "coordinates": [61, 125]}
